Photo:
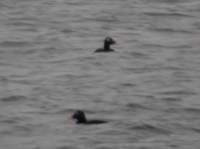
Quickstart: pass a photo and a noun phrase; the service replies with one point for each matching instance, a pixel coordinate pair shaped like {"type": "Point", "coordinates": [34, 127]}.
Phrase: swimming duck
{"type": "Point", "coordinates": [81, 118]}
{"type": "Point", "coordinates": [107, 42]}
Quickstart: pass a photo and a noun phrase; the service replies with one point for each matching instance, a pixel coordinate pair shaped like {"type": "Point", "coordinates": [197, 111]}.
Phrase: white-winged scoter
{"type": "Point", "coordinates": [107, 42]}
{"type": "Point", "coordinates": [81, 118]}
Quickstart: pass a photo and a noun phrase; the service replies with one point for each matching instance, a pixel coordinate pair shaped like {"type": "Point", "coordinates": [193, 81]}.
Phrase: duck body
{"type": "Point", "coordinates": [92, 122]}
{"type": "Point", "coordinates": [107, 42]}
{"type": "Point", "coordinates": [103, 50]}
{"type": "Point", "coordinates": [81, 118]}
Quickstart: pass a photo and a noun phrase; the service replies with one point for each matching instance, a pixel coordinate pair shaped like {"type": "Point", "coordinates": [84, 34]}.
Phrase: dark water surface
{"type": "Point", "coordinates": [148, 89]}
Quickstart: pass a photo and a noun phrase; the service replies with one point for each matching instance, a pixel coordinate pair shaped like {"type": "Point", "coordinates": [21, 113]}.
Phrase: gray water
{"type": "Point", "coordinates": [148, 90]}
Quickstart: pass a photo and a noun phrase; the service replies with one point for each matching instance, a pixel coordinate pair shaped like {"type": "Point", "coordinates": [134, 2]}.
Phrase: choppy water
{"type": "Point", "coordinates": [148, 89]}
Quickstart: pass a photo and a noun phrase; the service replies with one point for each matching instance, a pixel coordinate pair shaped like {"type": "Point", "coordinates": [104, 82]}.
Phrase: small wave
{"type": "Point", "coordinates": [169, 30]}
{"type": "Point", "coordinates": [64, 147]}
{"type": "Point", "coordinates": [171, 99]}
{"type": "Point", "coordinates": [128, 84]}
{"type": "Point", "coordinates": [148, 127]}
{"type": "Point", "coordinates": [196, 130]}
{"type": "Point", "coordinates": [173, 1]}
{"type": "Point", "coordinates": [64, 111]}
{"type": "Point", "coordinates": [166, 1]}
{"type": "Point", "coordinates": [138, 70]}
{"type": "Point", "coordinates": [135, 106]}
{"type": "Point", "coordinates": [137, 55]}
{"type": "Point", "coordinates": [186, 110]}
{"type": "Point", "coordinates": [171, 68]}
{"type": "Point", "coordinates": [67, 31]}
{"type": "Point", "coordinates": [4, 6]}
{"type": "Point", "coordinates": [22, 128]}
{"type": "Point", "coordinates": [22, 24]}
{"type": "Point", "coordinates": [152, 45]}
{"type": "Point", "coordinates": [6, 132]}
{"type": "Point", "coordinates": [177, 93]}
{"type": "Point", "coordinates": [14, 43]}
{"type": "Point", "coordinates": [3, 79]}
{"type": "Point", "coordinates": [12, 98]}
{"type": "Point", "coordinates": [160, 14]}
{"type": "Point", "coordinates": [10, 120]}
{"type": "Point", "coordinates": [49, 49]}
{"type": "Point", "coordinates": [193, 110]}
{"type": "Point", "coordinates": [171, 110]}
{"type": "Point", "coordinates": [28, 30]}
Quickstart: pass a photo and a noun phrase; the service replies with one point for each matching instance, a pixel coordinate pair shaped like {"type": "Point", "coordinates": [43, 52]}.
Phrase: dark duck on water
{"type": "Point", "coordinates": [107, 42]}
{"type": "Point", "coordinates": [81, 118]}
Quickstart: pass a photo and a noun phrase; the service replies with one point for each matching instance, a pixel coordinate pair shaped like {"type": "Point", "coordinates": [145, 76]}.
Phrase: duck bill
{"type": "Point", "coordinates": [71, 117]}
